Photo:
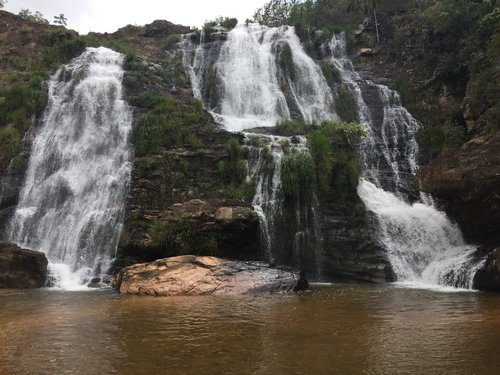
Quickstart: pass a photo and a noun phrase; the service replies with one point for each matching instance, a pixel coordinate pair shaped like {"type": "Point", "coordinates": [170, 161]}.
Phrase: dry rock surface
{"type": "Point", "coordinates": [192, 275]}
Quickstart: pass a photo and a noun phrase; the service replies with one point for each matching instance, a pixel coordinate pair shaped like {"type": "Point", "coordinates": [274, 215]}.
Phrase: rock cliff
{"type": "Point", "coordinates": [468, 181]}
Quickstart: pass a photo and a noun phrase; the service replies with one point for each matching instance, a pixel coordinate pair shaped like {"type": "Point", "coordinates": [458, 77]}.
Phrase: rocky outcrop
{"type": "Point", "coordinates": [488, 276]}
{"type": "Point", "coordinates": [21, 268]}
{"type": "Point", "coordinates": [191, 275]}
{"type": "Point", "coordinates": [468, 181]}
{"type": "Point", "coordinates": [227, 228]}
{"type": "Point", "coordinates": [350, 249]}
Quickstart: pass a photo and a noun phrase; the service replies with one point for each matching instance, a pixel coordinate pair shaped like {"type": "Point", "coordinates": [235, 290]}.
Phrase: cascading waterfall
{"type": "Point", "coordinates": [254, 88]}
{"type": "Point", "coordinates": [424, 247]}
{"type": "Point", "coordinates": [71, 205]}
{"type": "Point", "coordinates": [253, 84]}
{"type": "Point", "coordinates": [390, 149]}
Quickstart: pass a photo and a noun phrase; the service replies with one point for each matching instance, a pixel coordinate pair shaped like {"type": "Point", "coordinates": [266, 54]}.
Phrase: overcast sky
{"type": "Point", "coordinates": [110, 15]}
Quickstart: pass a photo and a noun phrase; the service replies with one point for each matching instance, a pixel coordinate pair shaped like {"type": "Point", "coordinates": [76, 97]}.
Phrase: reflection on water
{"type": "Point", "coordinates": [336, 329]}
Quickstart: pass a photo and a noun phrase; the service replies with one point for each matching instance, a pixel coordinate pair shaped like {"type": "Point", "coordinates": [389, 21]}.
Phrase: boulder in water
{"type": "Point", "coordinates": [21, 268]}
{"type": "Point", "coordinates": [192, 275]}
{"type": "Point", "coordinates": [488, 276]}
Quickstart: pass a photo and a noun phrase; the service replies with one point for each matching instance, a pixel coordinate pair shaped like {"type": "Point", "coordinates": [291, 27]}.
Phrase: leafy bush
{"type": "Point", "coordinates": [298, 176]}
{"type": "Point", "coordinates": [433, 140]}
{"type": "Point", "coordinates": [338, 168]}
{"type": "Point", "coordinates": [346, 106]}
{"type": "Point", "coordinates": [10, 142]}
{"type": "Point", "coordinates": [331, 73]}
{"type": "Point", "coordinates": [286, 61]}
{"type": "Point", "coordinates": [234, 167]}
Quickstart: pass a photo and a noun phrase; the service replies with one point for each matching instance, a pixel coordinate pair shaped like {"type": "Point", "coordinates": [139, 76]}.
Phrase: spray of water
{"type": "Point", "coordinates": [71, 205]}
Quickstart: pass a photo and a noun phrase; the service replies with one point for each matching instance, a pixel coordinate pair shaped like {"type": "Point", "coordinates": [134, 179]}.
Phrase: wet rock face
{"type": "Point", "coordinates": [191, 275]}
{"type": "Point", "coordinates": [21, 268]}
{"type": "Point", "coordinates": [488, 277]}
{"type": "Point", "coordinates": [222, 227]}
{"type": "Point", "coordinates": [468, 180]}
{"type": "Point", "coordinates": [350, 249]}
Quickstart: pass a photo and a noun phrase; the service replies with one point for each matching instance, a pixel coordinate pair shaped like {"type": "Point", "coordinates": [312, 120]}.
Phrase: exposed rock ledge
{"type": "Point", "coordinates": [191, 275]}
{"type": "Point", "coordinates": [21, 268]}
{"type": "Point", "coordinates": [468, 179]}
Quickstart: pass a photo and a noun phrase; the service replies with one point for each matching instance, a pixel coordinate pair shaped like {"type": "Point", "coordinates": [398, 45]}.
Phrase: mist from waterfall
{"type": "Point", "coordinates": [72, 203]}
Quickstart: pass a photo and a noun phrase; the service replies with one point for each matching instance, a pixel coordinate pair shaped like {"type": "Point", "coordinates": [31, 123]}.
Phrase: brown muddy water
{"type": "Point", "coordinates": [338, 329]}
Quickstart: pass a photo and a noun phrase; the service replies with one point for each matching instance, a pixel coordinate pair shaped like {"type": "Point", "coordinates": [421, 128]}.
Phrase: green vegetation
{"type": "Point", "coordinates": [298, 177]}
{"type": "Point", "coordinates": [171, 41]}
{"type": "Point", "coordinates": [289, 127]}
{"type": "Point", "coordinates": [338, 168]}
{"type": "Point", "coordinates": [28, 15]}
{"type": "Point", "coordinates": [434, 139]}
{"type": "Point", "coordinates": [234, 167]}
{"type": "Point", "coordinates": [228, 23]}
{"type": "Point", "coordinates": [286, 61]}
{"type": "Point", "coordinates": [163, 123]}
{"type": "Point", "coordinates": [61, 20]}
{"type": "Point", "coordinates": [11, 142]}
{"type": "Point", "coordinates": [331, 73]}
{"type": "Point", "coordinates": [345, 105]}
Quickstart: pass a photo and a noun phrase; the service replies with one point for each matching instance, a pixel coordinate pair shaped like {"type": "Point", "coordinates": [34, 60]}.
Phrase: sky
{"type": "Point", "coordinates": [109, 15]}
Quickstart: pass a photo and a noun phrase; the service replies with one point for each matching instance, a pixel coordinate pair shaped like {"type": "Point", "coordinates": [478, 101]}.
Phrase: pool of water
{"type": "Point", "coordinates": [340, 329]}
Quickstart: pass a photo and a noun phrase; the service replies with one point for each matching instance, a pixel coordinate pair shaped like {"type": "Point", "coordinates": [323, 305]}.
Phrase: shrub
{"type": "Point", "coordinates": [433, 140]}
{"type": "Point", "coordinates": [10, 142]}
{"type": "Point", "coordinates": [321, 153]}
{"type": "Point", "coordinates": [346, 106]}
{"type": "Point", "coordinates": [337, 165]}
{"type": "Point", "coordinates": [331, 73]}
{"type": "Point", "coordinates": [286, 61]}
{"type": "Point", "coordinates": [298, 176]}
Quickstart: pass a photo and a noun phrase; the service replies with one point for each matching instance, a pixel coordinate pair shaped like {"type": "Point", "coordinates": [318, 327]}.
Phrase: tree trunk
{"type": "Point", "coordinates": [376, 24]}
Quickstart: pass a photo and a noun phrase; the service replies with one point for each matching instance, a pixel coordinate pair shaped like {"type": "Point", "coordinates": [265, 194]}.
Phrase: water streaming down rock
{"type": "Point", "coordinates": [72, 203]}
{"type": "Point", "coordinates": [389, 151]}
{"type": "Point", "coordinates": [289, 231]}
{"type": "Point", "coordinates": [257, 77]}
{"type": "Point", "coordinates": [261, 74]}
{"type": "Point", "coordinates": [424, 247]}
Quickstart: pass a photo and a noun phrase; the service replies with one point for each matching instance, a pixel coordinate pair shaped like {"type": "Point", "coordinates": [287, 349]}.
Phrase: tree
{"type": "Point", "coordinates": [366, 6]}
{"type": "Point", "coordinates": [2, 3]}
{"type": "Point", "coordinates": [60, 20]}
{"type": "Point", "coordinates": [275, 12]}
{"type": "Point", "coordinates": [28, 15]}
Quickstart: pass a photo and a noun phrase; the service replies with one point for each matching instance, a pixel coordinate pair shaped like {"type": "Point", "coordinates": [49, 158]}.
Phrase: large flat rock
{"type": "Point", "coordinates": [192, 275]}
{"type": "Point", "coordinates": [21, 268]}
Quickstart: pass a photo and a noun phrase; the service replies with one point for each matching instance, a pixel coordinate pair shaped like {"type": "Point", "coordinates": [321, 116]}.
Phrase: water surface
{"type": "Point", "coordinates": [336, 329]}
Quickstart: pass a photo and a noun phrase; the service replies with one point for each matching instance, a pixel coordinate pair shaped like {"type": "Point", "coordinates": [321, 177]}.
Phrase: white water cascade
{"type": "Point", "coordinates": [245, 84]}
{"type": "Point", "coordinates": [71, 205]}
{"type": "Point", "coordinates": [424, 247]}
{"type": "Point", "coordinates": [252, 86]}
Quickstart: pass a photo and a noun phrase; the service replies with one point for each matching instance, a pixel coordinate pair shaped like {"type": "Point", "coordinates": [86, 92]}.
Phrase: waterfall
{"type": "Point", "coordinates": [260, 75]}
{"type": "Point", "coordinates": [71, 205]}
{"type": "Point", "coordinates": [289, 232]}
{"type": "Point", "coordinates": [424, 247]}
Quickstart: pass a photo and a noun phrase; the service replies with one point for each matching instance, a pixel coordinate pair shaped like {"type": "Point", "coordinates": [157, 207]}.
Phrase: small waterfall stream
{"type": "Point", "coordinates": [255, 86]}
{"type": "Point", "coordinates": [71, 205]}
